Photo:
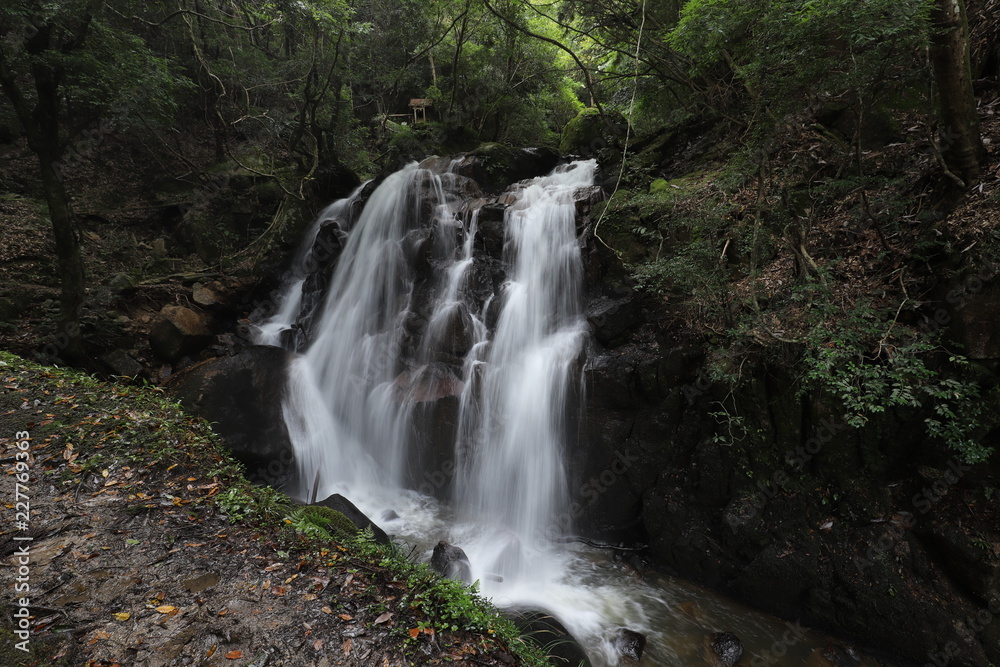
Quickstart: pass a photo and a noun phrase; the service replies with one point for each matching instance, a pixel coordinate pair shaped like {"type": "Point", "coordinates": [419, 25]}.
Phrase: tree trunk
{"type": "Point", "coordinates": [69, 261]}
{"type": "Point", "coordinates": [961, 140]}
{"type": "Point", "coordinates": [43, 139]}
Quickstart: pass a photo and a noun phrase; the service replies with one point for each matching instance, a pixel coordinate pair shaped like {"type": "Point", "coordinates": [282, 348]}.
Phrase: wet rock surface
{"type": "Point", "coordinates": [629, 644]}
{"type": "Point", "coordinates": [546, 631]}
{"type": "Point", "coordinates": [241, 396]}
{"type": "Point", "coordinates": [727, 648]}
{"type": "Point", "coordinates": [450, 561]}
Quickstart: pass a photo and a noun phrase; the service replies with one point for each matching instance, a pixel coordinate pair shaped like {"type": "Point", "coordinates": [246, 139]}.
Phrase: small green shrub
{"type": "Point", "coordinates": [871, 364]}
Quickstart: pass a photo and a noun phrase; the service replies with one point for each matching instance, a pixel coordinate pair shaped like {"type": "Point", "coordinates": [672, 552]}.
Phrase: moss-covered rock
{"type": "Point", "coordinates": [329, 520]}
{"type": "Point", "coordinates": [590, 132]}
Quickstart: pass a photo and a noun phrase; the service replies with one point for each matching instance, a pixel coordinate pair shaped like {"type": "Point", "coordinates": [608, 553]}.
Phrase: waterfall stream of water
{"type": "Point", "coordinates": [407, 324]}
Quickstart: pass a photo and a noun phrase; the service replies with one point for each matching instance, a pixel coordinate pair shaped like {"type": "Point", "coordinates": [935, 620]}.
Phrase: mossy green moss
{"type": "Point", "coordinates": [589, 132]}
{"type": "Point", "coordinates": [327, 520]}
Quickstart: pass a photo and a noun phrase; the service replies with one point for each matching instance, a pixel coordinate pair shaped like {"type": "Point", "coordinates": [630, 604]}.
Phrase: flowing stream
{"type": "Point", "coordinates": [442, 402]}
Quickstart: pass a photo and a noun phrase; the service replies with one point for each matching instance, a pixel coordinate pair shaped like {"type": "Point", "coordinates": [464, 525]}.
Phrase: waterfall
{"type": "Point", "coordinates": [511, 464]}
{"type": "Point", "coordinates": [280, 329]}
{"type": "Point", "coordinates": [440, 377]}
{"type": "Point", "coordinates": [378, 343]}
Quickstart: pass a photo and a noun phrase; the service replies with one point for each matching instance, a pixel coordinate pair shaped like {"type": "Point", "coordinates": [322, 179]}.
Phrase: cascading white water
{"type": "Point", "coordinates": [290, 311]}
{"type": "Point", "coordinates": [399, 327]}
{"type": "Point", "coordinates": [511, 464]}
{"type": "Point", "coordinates": [347, 426]}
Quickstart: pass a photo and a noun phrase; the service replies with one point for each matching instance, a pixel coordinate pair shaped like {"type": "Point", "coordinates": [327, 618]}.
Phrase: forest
{"type": "Point", "coordinates": [790, 257]}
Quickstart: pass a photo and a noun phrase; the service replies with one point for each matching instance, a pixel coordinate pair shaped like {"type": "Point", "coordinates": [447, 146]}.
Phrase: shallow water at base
{"type": "Point", "coordinates": [592, 595]}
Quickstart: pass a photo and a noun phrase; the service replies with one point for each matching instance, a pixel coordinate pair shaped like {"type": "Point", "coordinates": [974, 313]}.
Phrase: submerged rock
{"type": "Point", "coordinates": [451, 562]}
{"type": "Point", "coordinates": [629, 644]}
{"type": "Point", "coordinates": [727, 647]}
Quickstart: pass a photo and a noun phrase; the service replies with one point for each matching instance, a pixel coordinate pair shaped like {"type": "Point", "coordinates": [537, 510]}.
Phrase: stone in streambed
{"type": "Point", "coordinates": [451, 562]}
{"type": "Point", "coordinates": [726, 647]}
{"type": "Point", "coordinates": [629, 644]}
{"type": "Point", "coordinates": [344, 506]}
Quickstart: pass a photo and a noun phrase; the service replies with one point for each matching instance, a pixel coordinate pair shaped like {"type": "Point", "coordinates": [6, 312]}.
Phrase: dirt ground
{"type": "Point", "coordinates": [132, 559]}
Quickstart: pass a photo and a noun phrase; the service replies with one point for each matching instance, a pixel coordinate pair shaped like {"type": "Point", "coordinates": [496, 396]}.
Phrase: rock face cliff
{"type": "Point", "coordinates": [875, 534]}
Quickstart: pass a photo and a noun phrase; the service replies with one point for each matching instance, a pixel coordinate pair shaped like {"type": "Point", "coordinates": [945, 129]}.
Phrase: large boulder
{"type": "Point", "coordinates": [179, 332]}
{"type": "Point", "coordinates": [242, 396]}
{"type": "Point", "coordinates": [590, 132]}
{"type": "Point", "coordinates": [542, 628]}
{"type": "Point", "coordinates": [451, 562]}
{"type": "Point", "coordinates": [495, 166]}
{"type": "Point", "coordinates": [345, 507]}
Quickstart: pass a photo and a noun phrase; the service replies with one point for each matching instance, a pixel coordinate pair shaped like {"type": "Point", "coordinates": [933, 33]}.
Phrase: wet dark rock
{"type": "Point", "coordinates": [545, 630]}
{"type": "Point", "coordinates": [435, 393]}
{"type": "Point", "coordinates": [451, 562]}
{"type": "Point", "coordinates": [242, 397]}
{"type": "Point", "coordinates": [121, 364]}
{"type": "Point", "coordinates": [495, 166]}
{"type": "Point", "coordinates": [491, 232]}
{"type": "Point", "coordinates": [180, 332]}
{"type": "Point", "coordinates": [586, 199]}
{"type": "Point", "coordinates": [629, 644]}
{"type": "Point", "coordinates": [452, 333]}
{"type": "Point", "coordinates": [341, 504]}
{"type": "Point", "coordinates": [727, 647]}
{"type": "Point", "coordinates": [613, 318]}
